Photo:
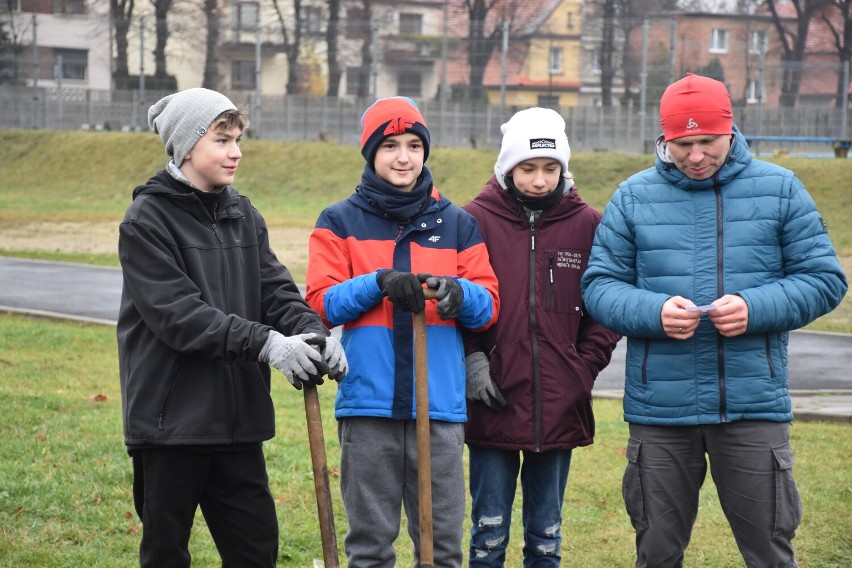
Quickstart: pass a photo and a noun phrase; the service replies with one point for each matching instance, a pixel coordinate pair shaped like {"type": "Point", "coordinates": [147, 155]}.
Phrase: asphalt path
{"type": "Point", "coordinates": [817, 361]}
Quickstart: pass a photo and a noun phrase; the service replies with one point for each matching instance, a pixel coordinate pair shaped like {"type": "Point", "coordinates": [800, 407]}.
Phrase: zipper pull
{"type": "Point", "coordinates": [550, 269]}
{"type": "Point", "coordinates": [216, 232]}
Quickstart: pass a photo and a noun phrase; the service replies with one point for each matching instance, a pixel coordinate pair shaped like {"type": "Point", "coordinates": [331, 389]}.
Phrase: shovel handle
{"type": "Point", "coordinates": [424, 448]}
{"type": "Point", "coordinates": [321, 484]}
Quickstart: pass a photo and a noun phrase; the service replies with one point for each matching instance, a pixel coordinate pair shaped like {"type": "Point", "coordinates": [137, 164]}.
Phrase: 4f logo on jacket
{"type": "Point", "coordinates": [398, 126]}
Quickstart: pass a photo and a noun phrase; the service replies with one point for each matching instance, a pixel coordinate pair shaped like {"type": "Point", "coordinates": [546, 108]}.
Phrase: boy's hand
{"type": "Point", "coordinates": [403, 289]}
{"type": "Point", "coordinates": [294, 356]}
{"type": "Point", "coordinates": [335, 359]}
{"type": "Point", "coordinates": [480, 386]}
{"type": "Point", "coordinates": [449, 293]}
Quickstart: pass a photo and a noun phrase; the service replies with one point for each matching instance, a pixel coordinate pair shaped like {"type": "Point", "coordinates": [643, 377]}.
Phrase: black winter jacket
{"type": "Point", "coordinates": [200, 295]}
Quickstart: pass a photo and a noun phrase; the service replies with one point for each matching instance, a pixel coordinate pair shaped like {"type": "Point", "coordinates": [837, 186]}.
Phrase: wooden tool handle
{"type": "Point", "coordinates": [321, 483]}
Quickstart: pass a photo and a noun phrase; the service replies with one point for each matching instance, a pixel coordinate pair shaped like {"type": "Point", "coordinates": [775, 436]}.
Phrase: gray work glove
{"type": "Point", "coordinates": [296, 357]}
{"type": "Point", "coordinates": [449, 293]}
{"type": "Point", "coordinates": [335, 359]}
{"type": "Point", "coordinates": [480, 387]}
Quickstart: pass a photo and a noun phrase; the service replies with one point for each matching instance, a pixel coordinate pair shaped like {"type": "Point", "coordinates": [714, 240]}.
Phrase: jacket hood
{"type": "Point", "coordinates": [738, 158]}
{"type": "Point", "coordinates": [498, 201]}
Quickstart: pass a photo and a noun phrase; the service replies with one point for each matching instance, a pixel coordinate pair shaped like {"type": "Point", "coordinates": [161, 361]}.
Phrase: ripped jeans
{"type": "Point", "coordinates": [493, 481]}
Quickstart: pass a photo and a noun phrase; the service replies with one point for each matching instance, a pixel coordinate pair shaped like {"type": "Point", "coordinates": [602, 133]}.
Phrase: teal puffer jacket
{"type": "Point", "coordinates": [751, 230]}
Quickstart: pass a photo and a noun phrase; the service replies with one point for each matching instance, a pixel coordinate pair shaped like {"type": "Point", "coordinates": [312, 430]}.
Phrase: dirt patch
{"type": "Point", "coordinates": [290, 244]}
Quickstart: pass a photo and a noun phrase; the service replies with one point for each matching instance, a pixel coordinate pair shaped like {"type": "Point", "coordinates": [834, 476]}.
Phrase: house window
{"type": "Point", "coordinates": [74, 63]}
{"type": "Point", "coordinates": [555, 61]}
{"type": "Point", "coordinates": [357, 78]}
{"type": "Point", "coordinates": [242, 75]}
{"type": "Point", "coordinates": [719, 41]}
{"type": "Point", "coordinates": [247, 16]}
{"type": "Point", "coordinates": [753, 94]}
{"type": "Point", "coordinates": [409, 83]}
{"type": "Point", "coordinates": [757, 42]}
{"type": "Point", "coordinates": [311, 19]}
{"type": "Point", "coordinates": [357, 24]}
{"type": "Point", "coordinates": [69, 6]}
{"type": "Point", "coordinates": [410, 24]}
{"type": "Point", "coordinates": [548, 101]}
{"type": "Point", "coordinates": [594, 61]}
{"type": "Point", "coordinates": [570, 20]}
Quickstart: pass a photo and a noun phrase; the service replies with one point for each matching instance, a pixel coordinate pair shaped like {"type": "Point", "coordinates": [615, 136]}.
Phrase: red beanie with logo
{"type": "Point", "coordinates": [696, 105]}
{"type": "Point", "coordinates": [391, 116]}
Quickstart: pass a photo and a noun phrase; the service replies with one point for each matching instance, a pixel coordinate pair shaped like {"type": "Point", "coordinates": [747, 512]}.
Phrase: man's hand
{"type": "Point", "coordinates": [730, 316]}
{"type": "Point", "coordinates": [678, 322]}
{"type": "Point", "coordinates": [295, 356]}
{"type": "Point", "coordinates": [449, 293]}
{"type": "Point", "coordinates": [480, 386]}
{"type": "Point", "coordinates": [403, 289]}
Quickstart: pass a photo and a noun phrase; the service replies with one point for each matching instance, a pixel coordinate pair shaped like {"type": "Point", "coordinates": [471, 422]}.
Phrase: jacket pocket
{"type": "Point", "coordinates": [562, 279]}
{"type": "Point", "coordinates": [769, 357]}
{"type": "Point", "coordinates": [164, 400]}
{"type": "Point", "coordinates": [788, 503]}
{"type": "Point", "coordinates": [631, 486]}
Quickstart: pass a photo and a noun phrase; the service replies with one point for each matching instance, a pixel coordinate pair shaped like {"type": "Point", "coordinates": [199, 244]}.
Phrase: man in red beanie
{"type": "Point", "coordinates": [369, 257]}
{"type": "Point", "coordinates": [705, 262]}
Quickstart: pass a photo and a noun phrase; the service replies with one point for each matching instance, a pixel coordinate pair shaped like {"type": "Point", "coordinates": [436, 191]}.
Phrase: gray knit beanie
{"type": "Point", "coordinates": [182, 118]}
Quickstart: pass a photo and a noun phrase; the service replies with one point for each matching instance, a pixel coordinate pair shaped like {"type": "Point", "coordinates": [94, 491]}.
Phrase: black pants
{"type": "Point", "coordinates": [232, 489]}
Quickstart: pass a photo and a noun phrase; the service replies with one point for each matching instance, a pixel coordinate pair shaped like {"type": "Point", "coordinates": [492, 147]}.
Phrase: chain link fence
{"type": "Point", "coordinates": [416, 54]}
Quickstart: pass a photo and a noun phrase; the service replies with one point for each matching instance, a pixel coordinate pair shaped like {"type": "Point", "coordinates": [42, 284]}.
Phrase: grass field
{"type": "Point", "coordinates": [65, 479]}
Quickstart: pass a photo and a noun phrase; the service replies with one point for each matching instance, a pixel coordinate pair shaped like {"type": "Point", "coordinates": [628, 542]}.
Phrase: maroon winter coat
{"type": "Point", "coordinates": [545, 352]}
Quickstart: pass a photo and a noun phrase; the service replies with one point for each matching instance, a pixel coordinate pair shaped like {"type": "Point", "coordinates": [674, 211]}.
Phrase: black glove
{"type": "Point", "coordinates": [449, 293]}
{"type": "Point", "coordinates": [403, 289]}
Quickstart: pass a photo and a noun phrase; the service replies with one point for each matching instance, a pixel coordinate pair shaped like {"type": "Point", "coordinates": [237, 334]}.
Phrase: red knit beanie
{"type": "Point", "coordinates": [696, 105]}
{"type": "Point", "coordinates": [391, 116]}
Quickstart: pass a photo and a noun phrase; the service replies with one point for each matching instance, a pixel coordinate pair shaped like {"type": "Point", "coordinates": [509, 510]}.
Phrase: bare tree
{"type": "Point", "coordinates": [211, 61]}
{"type": "Point", "coordinates": [161, 11]}
{"type": "Point", "coordinates": [9, 74]}
{"type": "Point", "coordinates": [481, 43]}
{"type": "Point", "coordinates": [331, 38]}
{"type": "Point", "coordinates": [122, 13]}
{"type": "Point", "coordinates": [292, 43]}
{"type": "Point", "coordinates": [607, 50]}
{"type": "Point", "coordinates": [793, 44]}
{"type": "Point", "coordinates": [485, 35]}
{"type": "Point", "coordinates": [841, 31]}
{"type": "Point", "coordinates": [366, 50]}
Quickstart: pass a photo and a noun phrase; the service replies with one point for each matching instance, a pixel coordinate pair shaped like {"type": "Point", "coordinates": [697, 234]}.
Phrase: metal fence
{"type": "Point", "coordinates": [452, 124]}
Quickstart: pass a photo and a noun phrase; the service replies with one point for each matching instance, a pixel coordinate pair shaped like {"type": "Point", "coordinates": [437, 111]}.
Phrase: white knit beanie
{"type": "Point", "coordinates": [532, 133]}
{"type": "Point", "coordinates": [182, 118]}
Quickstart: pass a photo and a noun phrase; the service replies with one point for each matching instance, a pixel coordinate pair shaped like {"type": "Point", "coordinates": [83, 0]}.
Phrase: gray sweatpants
{"type": "Point", "coordinates": [378, 476]}
{"type": "Point", "coordinates": [751, 463]}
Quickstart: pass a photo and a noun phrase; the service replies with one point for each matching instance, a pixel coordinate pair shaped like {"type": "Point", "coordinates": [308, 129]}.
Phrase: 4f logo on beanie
{"type": "Point", "coordinates": [398, 126]}
{"type": "Point", "coordinates": [542, 144]}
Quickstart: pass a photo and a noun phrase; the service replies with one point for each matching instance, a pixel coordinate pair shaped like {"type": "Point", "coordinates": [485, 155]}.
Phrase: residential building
{"type": "Point", "coordinates": [61, 42]}
{"type": "Point", "coordinates": [541, 63]}
{"type": "Point", "coordinates": [741, 50]}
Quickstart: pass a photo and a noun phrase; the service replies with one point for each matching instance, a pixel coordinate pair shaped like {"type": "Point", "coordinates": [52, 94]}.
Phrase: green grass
{"type": "Point", "coordinates": [65, 478]}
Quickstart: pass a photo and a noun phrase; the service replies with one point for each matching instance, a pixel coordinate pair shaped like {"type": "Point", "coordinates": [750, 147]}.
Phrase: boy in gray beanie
{"type": "Point", "coordinates": [206, 309]}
